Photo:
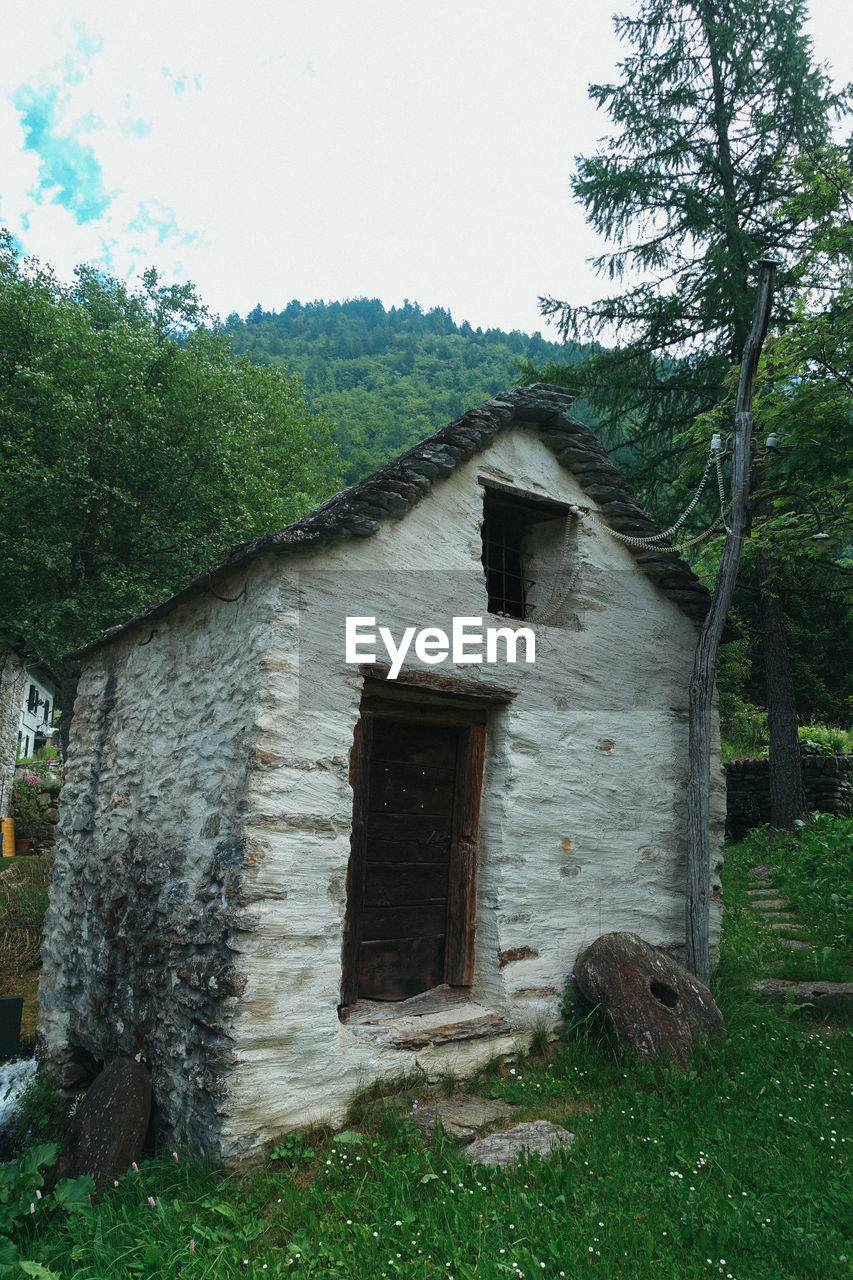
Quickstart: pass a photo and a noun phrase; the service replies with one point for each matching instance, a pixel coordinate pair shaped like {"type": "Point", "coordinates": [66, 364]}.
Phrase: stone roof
{"type": "Point", "coordinates": [390, 492]}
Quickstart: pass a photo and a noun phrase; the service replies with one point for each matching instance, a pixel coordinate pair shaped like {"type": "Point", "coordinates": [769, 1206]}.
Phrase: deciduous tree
{"type": "Point", "coordinates": [134, 447]}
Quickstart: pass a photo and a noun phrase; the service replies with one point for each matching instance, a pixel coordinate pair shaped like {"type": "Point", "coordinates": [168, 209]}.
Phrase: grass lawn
{"type": "Point", "coordinates": [738, 1168]}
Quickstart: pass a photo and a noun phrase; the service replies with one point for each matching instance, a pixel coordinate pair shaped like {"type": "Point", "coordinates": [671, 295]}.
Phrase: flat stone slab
{"type": "Point", "coordinates": [428, 1021]}
{"type": "Point", "coordinates": [829, 997]}
{"type": "Point", "coordinates": [795, 944]}
{"type": "Point", "coordinates": [652, 1003]}
{"type": "Point", "coordinates": [490, 1024]}
{"type": "Point", "coordinates": [461, 1118]}
{"type": "Point", "coordinates": [770, 904]}
{"type": "Point", "coordinates": [108, 1128]}
{"type": "Point", "coordinates": [762, 872]}
{"type": "Point", "coordinates": [786, 926]}
{"type": "Point", "coordinates": [540, 1137]}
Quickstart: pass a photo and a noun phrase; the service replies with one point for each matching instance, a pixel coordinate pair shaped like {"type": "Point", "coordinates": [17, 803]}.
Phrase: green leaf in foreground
{"type": "Point", "coordinates": [37, 1270]}
{"type": "Point", "coordinates": [73, 1193]}
{"type": "Point", "coordinates": [8, 1252]}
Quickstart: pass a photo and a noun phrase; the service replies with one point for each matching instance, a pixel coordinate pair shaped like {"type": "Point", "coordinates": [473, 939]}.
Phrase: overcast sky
{"type": "Point", "coordinates": [312, 149]}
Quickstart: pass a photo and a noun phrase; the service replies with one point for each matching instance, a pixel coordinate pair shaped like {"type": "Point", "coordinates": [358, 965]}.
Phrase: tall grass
{"type": "Point", "coordinates": [23, 902]}
{"type": "Point", "coordinates": [813, 869]}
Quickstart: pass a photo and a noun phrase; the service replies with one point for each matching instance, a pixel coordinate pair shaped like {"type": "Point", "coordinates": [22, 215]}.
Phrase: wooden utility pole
{"type": "Point", "coordinates": [705, 660]}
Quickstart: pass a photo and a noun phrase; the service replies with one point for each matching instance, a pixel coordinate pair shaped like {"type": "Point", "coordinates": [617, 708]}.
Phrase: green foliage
{"type": "Point", "coordinates": [740, 1160]}
{"type": "Point", "coordinates": [43, 1113]}
{"type": "Point", "coordinates": [813, 869]}
{"type": "Point", "coordinates": [292, 1150]}
{"type": "Point", "coordinates": [23, 903]}
{"type": "Point", "coordinates": [134, 449]}
{"type": "Point", "coordinates": [387, 379]}
{"type": "Point", "coordinates": [579, 1019]}
{"type": "Point", "coordinates": [26, 809]}
{"type": "Point", "coordinates": [721, 143]}
{"type": "Point", "coordinates": [715, 104]}
{"type": "Point", "coordinates": [748, 949]}
{"type": "Point", "coordinates": [22, 1204]}
{"type": "Point", "coordinates": [821, 740]}
{"type": "Point", "coordinates": [743, 728]}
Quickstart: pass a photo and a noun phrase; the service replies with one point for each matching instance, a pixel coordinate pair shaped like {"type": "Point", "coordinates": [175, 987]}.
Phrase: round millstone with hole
{"type": "Point", "coordinates": [650, 1001]}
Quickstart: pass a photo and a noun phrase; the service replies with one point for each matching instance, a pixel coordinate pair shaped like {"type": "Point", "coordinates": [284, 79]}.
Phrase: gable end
{"type": "Point", "coordinates": [392, 491]}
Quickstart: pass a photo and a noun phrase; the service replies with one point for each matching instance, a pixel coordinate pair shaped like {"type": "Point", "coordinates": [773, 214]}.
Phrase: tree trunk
{"type": "Point", "coordinates": [698, 894]}
{"type": "Point", "coordinates": [787, 799]}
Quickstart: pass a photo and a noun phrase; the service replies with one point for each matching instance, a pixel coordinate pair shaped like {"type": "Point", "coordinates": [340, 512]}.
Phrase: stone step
{"type": "Point", "coordinates": [791, 925]}
{"type": "Point", "coordinates": [462, 1118]}
{"type": "Point", "coordinates": [770, 904]}
{"type": "Point", "coordinates": [490, 1024]}
{"type": "Point", "coordinates": [446, 1029]}
{"type": "Point", "coordinates": [829, 997]}
{"type": "Point", "coordinates": [795, 944]}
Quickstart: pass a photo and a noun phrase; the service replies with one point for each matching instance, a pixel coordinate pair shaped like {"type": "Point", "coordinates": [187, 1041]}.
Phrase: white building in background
{"type": "Point", "coordinates": [36, 724]}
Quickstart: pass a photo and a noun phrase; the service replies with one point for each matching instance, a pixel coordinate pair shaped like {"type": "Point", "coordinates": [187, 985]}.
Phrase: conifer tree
{"type": "Point", "coordinates": [717, 105]}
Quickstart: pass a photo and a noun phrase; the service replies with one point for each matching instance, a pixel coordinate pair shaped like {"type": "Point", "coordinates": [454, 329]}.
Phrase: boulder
{"type": "Point", "coordinates": [108, 1129]}
{"type": "Point", "coordinates": [650, 1001]}
{"type": "Point", "coordinates": [503, 1147]}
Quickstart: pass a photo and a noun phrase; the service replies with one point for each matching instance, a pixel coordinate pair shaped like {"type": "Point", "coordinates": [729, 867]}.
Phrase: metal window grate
{"type": "Point", "coordinates": [507, 583]}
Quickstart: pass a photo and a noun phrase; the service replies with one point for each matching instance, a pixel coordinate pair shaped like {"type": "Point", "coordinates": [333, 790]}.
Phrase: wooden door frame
{"type": "Point", "coordinates": [461, 889]}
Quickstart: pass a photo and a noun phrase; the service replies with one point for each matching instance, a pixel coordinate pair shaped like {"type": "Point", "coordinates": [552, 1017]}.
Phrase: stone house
{"type": "Point", "coordinates": [13, 676]}
{"type": "Point", "coordinates": [333, 874]}
{"type": "Point", "coordinates": [37, 710]}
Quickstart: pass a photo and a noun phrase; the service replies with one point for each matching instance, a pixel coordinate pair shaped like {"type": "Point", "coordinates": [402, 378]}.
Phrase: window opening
{"type": "Point", "coordinates": [507, 583]}
{"type": "Point", "coordinates": [517, 532]}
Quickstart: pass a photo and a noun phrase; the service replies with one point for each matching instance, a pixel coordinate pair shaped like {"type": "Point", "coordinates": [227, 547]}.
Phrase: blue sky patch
{"type": "Point", "coordinates": [69, 174]}
{"type": "Point", "coordinates": [154, 217]}
{"type": "Point", "coordinates": [135, 128]}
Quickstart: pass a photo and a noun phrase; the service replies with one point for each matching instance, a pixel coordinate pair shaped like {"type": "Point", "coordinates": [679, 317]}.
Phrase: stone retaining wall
{"type": "Point", "coordinates": [827, 781]}
{"type": "Point", "coordinates": [51, 773]}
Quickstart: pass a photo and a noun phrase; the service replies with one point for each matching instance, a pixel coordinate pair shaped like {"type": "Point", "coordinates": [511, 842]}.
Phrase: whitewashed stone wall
{"type": "Point", "coordinates": [12, 684]}
{"type": "Point", "coordinates": [234, 854]}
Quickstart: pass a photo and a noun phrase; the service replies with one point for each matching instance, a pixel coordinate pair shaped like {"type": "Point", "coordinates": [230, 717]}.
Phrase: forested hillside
{"type": "Point", "coordinates": [385, 378]}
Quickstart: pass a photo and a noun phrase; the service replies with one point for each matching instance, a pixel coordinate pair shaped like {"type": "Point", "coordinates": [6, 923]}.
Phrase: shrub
{"type": "Point", "coordinates": [27, 809]}
{"type": "Point", "coordinates": [823, 740]}
{"type": "Point", "coordinates": [743, 728]}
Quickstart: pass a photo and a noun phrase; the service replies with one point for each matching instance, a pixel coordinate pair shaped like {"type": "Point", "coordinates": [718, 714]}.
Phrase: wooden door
{"type": "Point", "coordinates": [411, 887]}
{"type": "Point", "coordinates": [411, 787]}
